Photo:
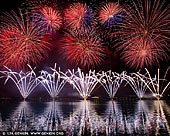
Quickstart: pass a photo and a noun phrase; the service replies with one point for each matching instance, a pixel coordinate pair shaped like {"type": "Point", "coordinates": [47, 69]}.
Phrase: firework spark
{"type": "Point", "coordinates": [109, 12]}
{"type": "Point", "coordinates": [22, 42]}
{"type": "Point", "coordinates": [84, 50]}
{"type": "Point", "coordinates": [145, 29]}
{"type": "Point", "coordinates": [79, 16]}
{"type": "Point", "coordinates": [26, 82]}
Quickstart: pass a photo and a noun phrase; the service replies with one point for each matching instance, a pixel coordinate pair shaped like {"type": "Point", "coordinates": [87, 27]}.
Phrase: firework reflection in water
{"type": "Point", "coordinates": [85, 117]}
{"type": "Point", "coordinates": [51, 118]}
{"type": "Point", "coordinates": [21, 119]}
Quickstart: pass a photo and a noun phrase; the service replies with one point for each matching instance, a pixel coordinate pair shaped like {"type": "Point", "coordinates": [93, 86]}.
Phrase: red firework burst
{"type": "Point", "coordinates": [48, 18]}
{"type": "Point", "coordinates": [22, 42]}
{"type": "Point", "coordinates": [108, 11]}
{"type": "Point", "coordinates": [146, 21]}
{"type": "Point", "coordinates": [79, 16]}
{"type": "Point", "coordinates": [83, 49]}
{"type": "Point", "coordinates": [142, 54]}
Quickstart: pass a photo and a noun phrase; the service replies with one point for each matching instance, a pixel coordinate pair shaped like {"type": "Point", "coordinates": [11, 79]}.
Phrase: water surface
{"type": "Point", "coordinates": [143, 117]}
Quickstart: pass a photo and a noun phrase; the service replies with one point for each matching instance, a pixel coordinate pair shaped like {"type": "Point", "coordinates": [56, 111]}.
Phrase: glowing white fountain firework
{"type": "Point", "coordinates": [83, 83]}
{"type": "Point", "coordinates": [155, 87]}
{"type": "Point", "coordinates": [53, 83]}
{"type": "Point", "coordinates": [26, 82]}
{"type": "Point", "coordinates": [111, 81]}
{"type": "Point", "coordinates": [138, 83]}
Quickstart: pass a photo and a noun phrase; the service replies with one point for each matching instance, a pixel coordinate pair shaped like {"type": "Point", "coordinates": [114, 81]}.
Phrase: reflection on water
{"type": "Point", "coordinates": [143, 117]}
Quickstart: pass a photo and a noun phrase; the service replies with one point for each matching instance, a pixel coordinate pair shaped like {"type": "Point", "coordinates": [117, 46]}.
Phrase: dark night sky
{"type": "Point", "coordinates": [112, 61]}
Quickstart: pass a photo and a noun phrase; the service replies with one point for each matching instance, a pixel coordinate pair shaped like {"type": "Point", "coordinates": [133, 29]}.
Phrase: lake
{"type": "Point", "coordinates": [106, 118]}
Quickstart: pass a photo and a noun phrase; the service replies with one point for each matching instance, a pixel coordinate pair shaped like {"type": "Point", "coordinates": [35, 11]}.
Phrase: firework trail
{"type": "Point", "coordinates": [22, 42]}
{"type": "Point", "coordinates": [83, 49]}
{"type": "Point", "coordinates": [144, 33]}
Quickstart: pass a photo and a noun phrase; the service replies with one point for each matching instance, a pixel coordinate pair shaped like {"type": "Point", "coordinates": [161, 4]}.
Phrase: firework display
{"type": "Point", "coordinates": [138, 31]}
{"type": "Point", "coordinates": [79, 16]}
{"type": "Point", "coordinates": [109, 13]}
{"type": "Point", "coordinates": [141, 38]}
{"type": "Point", "coordinates": [47, 14]}
{"type": "Point", "coordinates": [106, 78]}
{"type": "Point", "coordinates": [54, 81]}
{"type": "Point", "coordinates": [144, 34]}
{"type": "Point", "coordinates": [48, 18]}
{"type": "Point", "coordinates": [22, 42]}
{"type": "Point", "coordinates": [85, 46]}
{"type": "Point", "coordinates": [142, 53]}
